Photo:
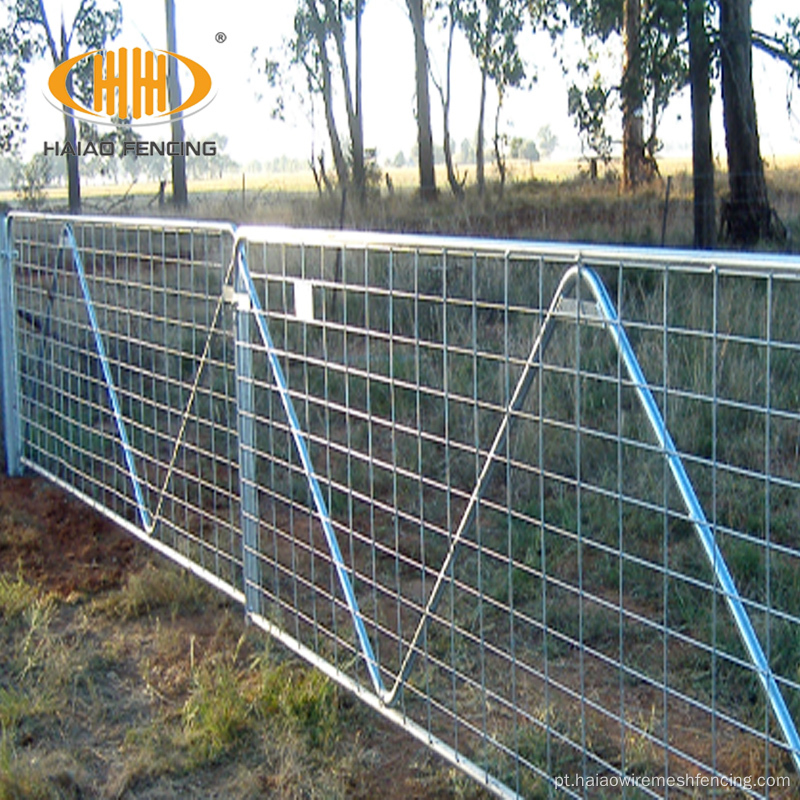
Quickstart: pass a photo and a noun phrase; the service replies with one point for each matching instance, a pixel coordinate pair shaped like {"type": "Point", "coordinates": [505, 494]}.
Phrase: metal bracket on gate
{"type": "Point", "coordinates": [240, 300]}
{"type": "Point", "coordinates": [581, 311]}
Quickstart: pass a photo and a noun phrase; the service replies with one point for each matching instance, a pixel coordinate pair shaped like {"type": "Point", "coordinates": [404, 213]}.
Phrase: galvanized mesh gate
{"type": "Point", "coordinates": [538, 505]}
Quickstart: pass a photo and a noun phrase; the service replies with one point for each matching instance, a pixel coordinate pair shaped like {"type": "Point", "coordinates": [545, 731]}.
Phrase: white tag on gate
{"type": "Point", "coordinates": [304, 300]}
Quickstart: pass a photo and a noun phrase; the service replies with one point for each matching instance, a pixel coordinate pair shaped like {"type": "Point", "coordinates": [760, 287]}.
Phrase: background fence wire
{"type": "Point", "coordinates": [551, 623]}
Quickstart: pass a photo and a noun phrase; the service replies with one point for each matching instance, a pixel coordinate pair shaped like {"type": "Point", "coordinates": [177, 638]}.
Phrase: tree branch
{"type": "Point", "coordinates": [777, 48]}
{"type": "Point", "coordinates": [51, 44]}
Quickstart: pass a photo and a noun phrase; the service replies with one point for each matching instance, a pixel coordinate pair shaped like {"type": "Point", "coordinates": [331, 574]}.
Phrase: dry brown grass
{"type": "Point", "coordinates": [113, 696]}
{"type": "Point", "coordinates": [541, 201]}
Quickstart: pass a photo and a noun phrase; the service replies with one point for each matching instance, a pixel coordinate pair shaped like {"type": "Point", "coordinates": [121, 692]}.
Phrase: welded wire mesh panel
{"type": "Point", "coordinates": [538, 505]}
{"type": "Point", "coordinates": [127, 389]}
{"type": "Point", "coordinates": [534, 581]}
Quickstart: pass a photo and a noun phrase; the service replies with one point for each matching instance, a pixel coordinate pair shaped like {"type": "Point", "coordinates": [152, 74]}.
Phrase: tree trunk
{"type": "Point", "coordinates": [634, 171]}
{"type": "Point", "coordinates": [705, 236]}
{"type": "Point", "coordinates": [479, 156]}
{"type": "Point", "coordinates": [180, 192]}
{"type": "Point", "coordinates": [353, 107]}
{"type": "Point", "coordinates": [427, 173]}
{"type": "Point", "coordinates": [73, 169]}
{"type": "Point", "coordinates": [339, 161]}
{"type": "Point", "coordinates": [747, 216]}
{"type": "Point", "coordinates": [499, 156]}
{"type": "Point", "coordinates": [362, 175]}
{"type": "Point", "coordinates": [456, 186]}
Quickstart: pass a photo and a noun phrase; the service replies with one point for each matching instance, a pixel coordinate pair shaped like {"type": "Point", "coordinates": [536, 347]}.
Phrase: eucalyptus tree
{"type": "Point", "coordinates": [427, 173]}
{"type": "Point", "coordinates": [491, 28]}
{"type": "Point", "coordinates": [700, 59]}
{"type": "Point", "coordinates": [30, 35]}
{"type": "Point", "coordinates": [747, 214]}
{"type": "Point", "coordinates": [338, 16]}
{"type": "Point", "coordinates": [447, 10]}
{"type": "Point", "coordinates": [655, 66]}
{"type": "Point", "coordinates": [318, 51]}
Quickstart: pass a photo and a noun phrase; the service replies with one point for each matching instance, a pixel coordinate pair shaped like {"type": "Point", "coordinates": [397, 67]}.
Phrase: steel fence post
{"type": "Point", "coordinates": [12, 430]}
{"type": "Point", "coordinates": [245, 416]}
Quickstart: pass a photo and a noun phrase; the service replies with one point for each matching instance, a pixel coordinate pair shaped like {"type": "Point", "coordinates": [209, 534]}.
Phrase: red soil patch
{"type": "Point", "coordinates": [58, 541]}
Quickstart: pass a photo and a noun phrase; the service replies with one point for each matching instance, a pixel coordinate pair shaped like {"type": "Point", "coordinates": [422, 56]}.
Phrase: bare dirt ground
{"type": "Point", "coordinates": [105, 670]}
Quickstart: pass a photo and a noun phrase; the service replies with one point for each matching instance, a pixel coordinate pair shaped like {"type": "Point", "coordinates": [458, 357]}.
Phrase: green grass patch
{"type": "Point", "coordinates": [158, 589]}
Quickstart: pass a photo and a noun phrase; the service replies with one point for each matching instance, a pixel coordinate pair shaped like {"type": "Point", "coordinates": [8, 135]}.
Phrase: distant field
{"type": "Point", "coordinates": [541, 200]}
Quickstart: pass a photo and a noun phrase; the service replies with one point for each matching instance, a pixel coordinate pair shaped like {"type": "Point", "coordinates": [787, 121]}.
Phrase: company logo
{"type": "Point", "coordinates": [135, 90]}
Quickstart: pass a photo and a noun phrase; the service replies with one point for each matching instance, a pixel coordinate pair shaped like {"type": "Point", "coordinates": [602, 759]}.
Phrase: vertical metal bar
{"type": "Point", "coordinates": [245, 416]}
{"type": "Point", "coordinates": [579, 523]}
{"type": "Point", "coordinates": [665, 526]}
{"type": "Point", "coordinates": [12, 429]}
{"type": "Point", "coordinates": [768, 564]}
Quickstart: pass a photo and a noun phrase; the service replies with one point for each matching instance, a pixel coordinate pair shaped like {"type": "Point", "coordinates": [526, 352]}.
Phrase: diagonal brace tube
{"type": "Point", "coordinates": [695, 511]}
{"type": "Point", "coordinates": [148, 520]}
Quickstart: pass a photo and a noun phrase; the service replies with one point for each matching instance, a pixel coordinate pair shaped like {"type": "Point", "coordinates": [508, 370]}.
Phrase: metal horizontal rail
{"type": "Point", "coordinates": [721, 262]}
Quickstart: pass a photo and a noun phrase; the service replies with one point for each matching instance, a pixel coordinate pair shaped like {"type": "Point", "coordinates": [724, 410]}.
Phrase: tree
{"type": "Point", "coordinates": [336, 18]}
{"type": "Point", "coordinates": [547, 141]}
{"type": "Point", "coordinates": [427, 173]}
{"type": "Point", "coordinates": [530, 151]}
{"type": "Point", "coordinates": [312, 52]}
{"type": "Point", "coordinates": [30, 35]}
{"type": "Point", "coordinates": [632, 93]}
{"type": "Point", "coordinates": [180, 192]}
{"type": "Point", "coordinates": [588, 107]}
{"type": "Point", "coordinates": [449, 11]}
{"type": "Point", "coordinates": [318, 51]}
{"type": "Point", "coordinates": [491, 28]}
{"type": "Point", "coordinates": [14, 55]}
{"type": "Point", "coordinates": [702, 157]}
{"type": "Point", "coordinates": [747, 215]}
{"type": "Point", "coordinates": [30, 180]}
{"type": "Point", "coordinates": [654, 70]}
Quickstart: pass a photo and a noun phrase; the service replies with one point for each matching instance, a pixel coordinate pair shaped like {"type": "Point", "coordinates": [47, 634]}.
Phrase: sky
{"type": "Point", "coordinates": [242, 104]}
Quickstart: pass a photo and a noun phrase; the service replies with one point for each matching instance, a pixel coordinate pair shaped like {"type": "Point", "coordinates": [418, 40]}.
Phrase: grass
{"type": "Point", "coordinates": [545, 201]}
{"type": "Point", "coordinates": [153, 591]}
{"type": "Point", "coordinates": [157, 687]}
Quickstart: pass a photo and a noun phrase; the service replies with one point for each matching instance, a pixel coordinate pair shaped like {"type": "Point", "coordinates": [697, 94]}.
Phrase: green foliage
{"type": "Point", "coordinates": [31, 35]}
{"type": "Point", "coordinates": [547, 141]}
{"type": "Point", "coordinates": [589, 107]}
{"type": "Point", "coordinates": [523, 148]}
{"type": "Point", "coordinates": [16, 595]}
{"type": "Point", "coordinates": [14, 55]}
{"type": "Point", "coordinates": [217, 711]}
{"type": "Point", "coordinates": [491, 29]}
{"type": "Point", "coordinates": [303, 698]}
{"type": "Point", "coordinates": [30, 180]}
